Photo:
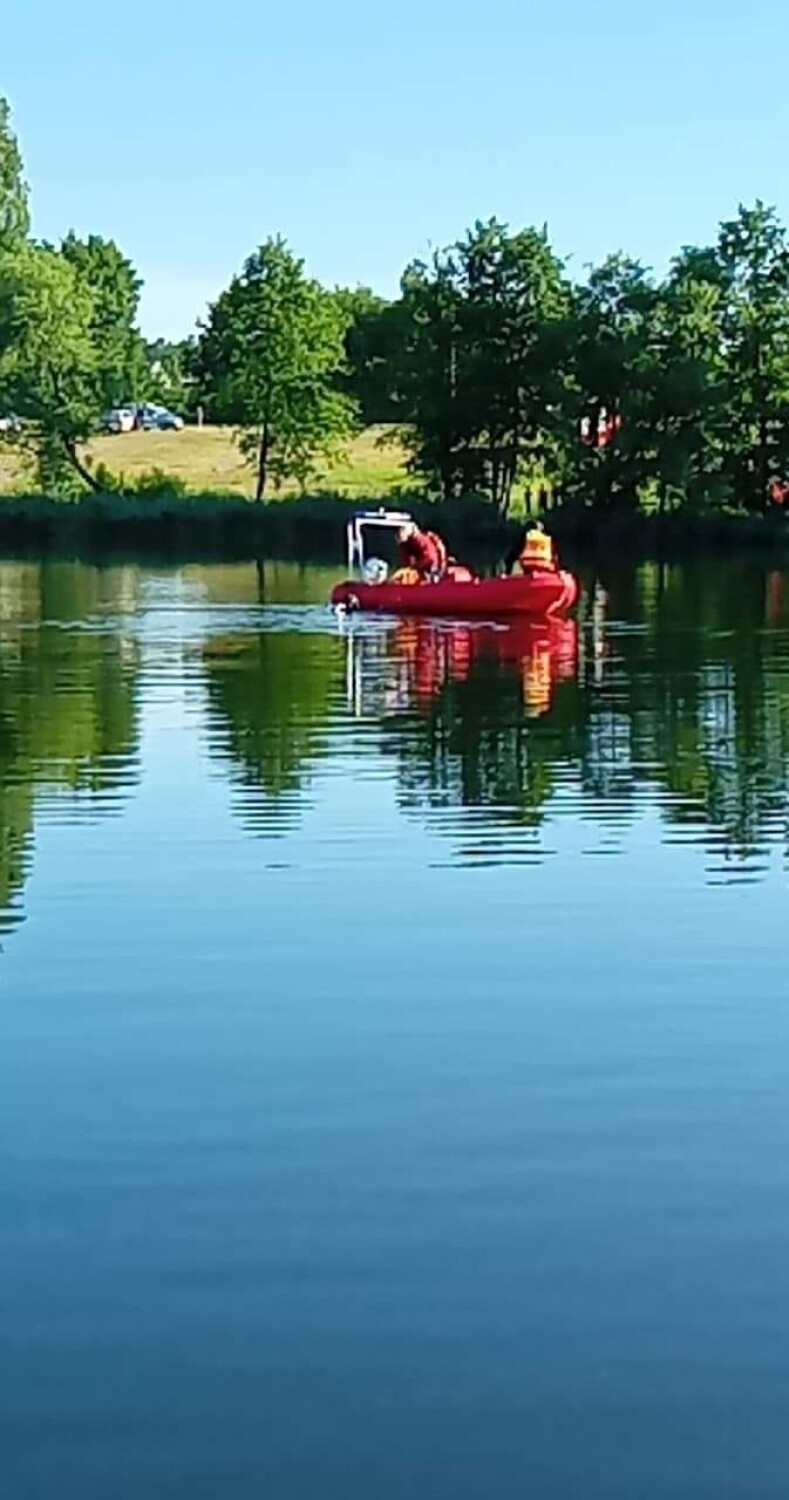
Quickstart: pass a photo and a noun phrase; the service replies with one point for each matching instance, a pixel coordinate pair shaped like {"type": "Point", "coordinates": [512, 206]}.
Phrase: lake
{"type": "Point", "coordinates": [394, 1041]}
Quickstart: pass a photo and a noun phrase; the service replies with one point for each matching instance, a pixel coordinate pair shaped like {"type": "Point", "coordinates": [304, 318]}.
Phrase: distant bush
{"type": "Point", "coordinates": [157, 484]}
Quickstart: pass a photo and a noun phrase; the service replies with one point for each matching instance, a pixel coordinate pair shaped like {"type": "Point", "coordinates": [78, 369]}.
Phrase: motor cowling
{"type": "Point", "coordinates": [375, 571]}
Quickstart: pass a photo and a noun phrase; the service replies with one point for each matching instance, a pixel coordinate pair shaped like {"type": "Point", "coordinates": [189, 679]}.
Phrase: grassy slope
{"type": "Point", "coordinates": [207, 459]}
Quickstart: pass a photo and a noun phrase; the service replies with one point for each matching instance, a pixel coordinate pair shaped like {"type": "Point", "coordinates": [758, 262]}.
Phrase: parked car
{"type": "Point", "coordinates": [120, 419]}
{"type": "Point", "coordinates": [158, 418]}
{"type": "Point", "coordinates": [10, 423]}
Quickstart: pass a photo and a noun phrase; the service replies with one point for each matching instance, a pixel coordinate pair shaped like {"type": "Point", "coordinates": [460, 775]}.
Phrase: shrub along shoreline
{"type": "Point", "coordinates": [313, 527]}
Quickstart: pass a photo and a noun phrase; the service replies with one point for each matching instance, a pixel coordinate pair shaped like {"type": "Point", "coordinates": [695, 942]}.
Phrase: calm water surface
{"type": "Point", "coordinates": [394, 1042]}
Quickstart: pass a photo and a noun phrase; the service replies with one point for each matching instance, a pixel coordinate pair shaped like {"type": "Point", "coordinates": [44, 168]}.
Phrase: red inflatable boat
{"type": "Point", "coordinates": [541, 593]}
{"type": "Point", "coordinates": [488, 598]}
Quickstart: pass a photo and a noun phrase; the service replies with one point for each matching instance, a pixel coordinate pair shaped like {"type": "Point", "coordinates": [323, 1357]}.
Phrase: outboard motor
{"type": "Point", "coordinates": [375, 571]}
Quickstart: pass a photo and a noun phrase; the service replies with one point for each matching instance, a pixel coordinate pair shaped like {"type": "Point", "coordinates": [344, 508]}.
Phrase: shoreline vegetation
{"type": "Point", "coordinates": [185, 495]}
{"type": "Point", "coordinates": [312, 528]}
{"type": "Point", "coordinates": [625, 410]}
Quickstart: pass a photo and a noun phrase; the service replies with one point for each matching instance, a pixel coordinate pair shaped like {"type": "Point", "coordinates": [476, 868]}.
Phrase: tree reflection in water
{"type": "Point", "coordinates": [68, 702]}
{"type": "Point", "coordinates": [674, 697]}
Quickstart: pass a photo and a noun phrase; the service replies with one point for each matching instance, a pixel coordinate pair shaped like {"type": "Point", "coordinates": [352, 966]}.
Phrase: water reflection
{"type": "Point", "coordinates": [669, 693]}
{"type": "Point", "coordinates": [411, 665]}
{"type": "Point", "coordinates": [68, 704]}
{"type": "Point", "coordinates": [695, 705]}
{"type": "Point", "coordinates": [269, 708]}
{"type": "Point", "coordinates": [457, 708]}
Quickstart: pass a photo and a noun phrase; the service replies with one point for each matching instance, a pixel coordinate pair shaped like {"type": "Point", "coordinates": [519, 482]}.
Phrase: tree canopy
{"type": "Point", "coordinates": [49, 368]}
{"type": "Point", "coordinates": [493, 366]}
{"type": "Point", "coordinates": [14, 211]}
{"type": "Point", "coordinates": [269, 358]}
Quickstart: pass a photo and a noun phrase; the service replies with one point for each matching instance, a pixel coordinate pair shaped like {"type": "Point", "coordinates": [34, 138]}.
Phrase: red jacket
{"type": "Point", "coordinates": [423, 552]}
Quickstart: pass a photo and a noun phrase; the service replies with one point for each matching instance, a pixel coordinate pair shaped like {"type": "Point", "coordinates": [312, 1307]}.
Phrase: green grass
{"type": "Point", "coordinates": [206, 460]}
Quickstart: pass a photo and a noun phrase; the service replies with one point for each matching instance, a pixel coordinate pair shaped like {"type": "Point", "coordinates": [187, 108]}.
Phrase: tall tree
{"type": "Point", "coordinates": [610, 344]}
{"type": "Point", "coordinates": [269, 357]}
{"type": "Point", "coordinates": [49, 365]}
{"type": "Point", "coordinates": [69, 349]}
{"type": "Point", "coordinates": [14, 212]}
{"type": "Point", "coordinates": [516, 303]}
{"type": "Point", "coordinates": [173, 373]}
{"type": "Point", "coordinates": [481, 367]}
{"type": "Point", "coordinates": [373, 340]}
{"type": "Point", "coordinates": [753, 254]}
{"type": "Point", "coordinates": [122, 365]}
{"type": "Point", "coordinates": [439, 430]}
{"type": "Point", "coordinates": [686, 388]}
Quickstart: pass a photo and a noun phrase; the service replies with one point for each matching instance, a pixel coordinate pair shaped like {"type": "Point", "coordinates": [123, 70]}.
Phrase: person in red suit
{"type": "Point", "coordinates": [421, 550]}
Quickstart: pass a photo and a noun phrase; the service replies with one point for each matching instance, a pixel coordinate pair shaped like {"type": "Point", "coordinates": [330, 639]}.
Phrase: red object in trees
{"type": "Point", "coordinates": [603, 435]}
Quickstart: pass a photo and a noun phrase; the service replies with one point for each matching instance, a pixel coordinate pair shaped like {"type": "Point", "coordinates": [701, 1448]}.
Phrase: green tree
{"type": "Point", "coordinates": [122, 366]}
{"type": "Point", "coordinates": [687, 386]}
{"type": "Point", "coordinates": [611, 367]}
{"type": "Point", "coordinates": [269, 359]}
{"type": "Point", "coordinates": [373, 339]}
{"type": "Point", "coordinates": [516, 303]}
{"type": "Point", "coordinates": [173, 374]}
{"type": "Point", "coordinates": [481, 370]}
{"type": "Point", "coordinates": [439, 430]}
{"type": "Point", "coordinates": [753, 255]}
{"type": "Point", "coordinates": [68, 348]}
{"type": "Point", "coordinates": [68, 342]}
{"type": "Point", "coordinates": [50, 372]}
{"type": "Point", "coordinates": [14, 212]}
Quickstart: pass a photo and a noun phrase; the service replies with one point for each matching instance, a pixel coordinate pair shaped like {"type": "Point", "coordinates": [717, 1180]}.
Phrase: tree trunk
{"type": "Point", "coordinates": [447, 481]}
{"type": "Point", "coordinates": [74, 459]}
{"type": "Point", "coordinates": [262, 462]}
{"type": "Point", "coordinates": [494, 481]}
{"type": "Point", "coordinates": [763, 467]}
{"type": "Point", "coordinates": [508, 480]}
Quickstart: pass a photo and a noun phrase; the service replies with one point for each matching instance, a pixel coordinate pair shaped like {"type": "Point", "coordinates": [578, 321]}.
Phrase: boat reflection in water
{"type": "Point", "coordinates": [407, 666]}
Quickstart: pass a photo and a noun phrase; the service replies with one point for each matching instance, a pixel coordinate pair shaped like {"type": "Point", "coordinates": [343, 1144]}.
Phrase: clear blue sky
{"type": "Point", "coordinates": [191, 131]}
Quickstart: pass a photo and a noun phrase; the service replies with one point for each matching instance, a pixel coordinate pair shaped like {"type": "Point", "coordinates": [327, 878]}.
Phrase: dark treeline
{"type": "Point", "coordinates": [498, 372]}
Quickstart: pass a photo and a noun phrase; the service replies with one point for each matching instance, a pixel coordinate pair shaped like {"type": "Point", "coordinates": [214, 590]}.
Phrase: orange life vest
{"type": "Point", "coordinates": [537, 551]}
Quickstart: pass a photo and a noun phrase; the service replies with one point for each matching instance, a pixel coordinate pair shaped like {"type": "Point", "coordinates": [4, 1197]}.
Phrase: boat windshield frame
{"type": "Point", "coordinates": [388, 520]}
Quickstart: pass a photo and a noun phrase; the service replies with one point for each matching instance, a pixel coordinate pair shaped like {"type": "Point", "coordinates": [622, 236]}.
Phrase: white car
{"type": "Point", "coordinates": [120, 419]}
{"type": "Point", "coordinates": [10, 423]}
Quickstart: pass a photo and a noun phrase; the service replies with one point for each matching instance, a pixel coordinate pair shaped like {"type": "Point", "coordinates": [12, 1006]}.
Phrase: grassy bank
{"type": "Point", "coordinates": [187, 495]}
{"type": "Point", "coordinates": [206, 460]}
